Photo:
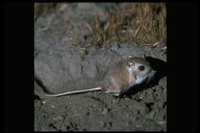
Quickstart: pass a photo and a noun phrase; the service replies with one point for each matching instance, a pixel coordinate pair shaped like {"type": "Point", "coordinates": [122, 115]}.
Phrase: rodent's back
{"type": "Point", "coordinates": [117, 77]}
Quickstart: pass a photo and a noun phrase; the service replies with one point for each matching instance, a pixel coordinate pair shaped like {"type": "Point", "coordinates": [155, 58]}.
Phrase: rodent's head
{"type": "Point", "coordinates": [140, 68]}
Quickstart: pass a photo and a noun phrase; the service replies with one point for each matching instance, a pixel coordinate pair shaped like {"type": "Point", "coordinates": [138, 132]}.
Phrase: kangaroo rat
{"type": "Point", "coordinates": [120, 77]}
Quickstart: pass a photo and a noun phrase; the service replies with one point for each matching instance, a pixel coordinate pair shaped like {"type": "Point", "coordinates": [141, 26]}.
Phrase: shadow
{"type": "Point", "coordinates": [36, 97]}
{"type": "Point", "coordinates": [160, 67]}
{"type": "Point", "coordinates": [161, 71]}
{"type": "Point", "coordinates": [40, 84]}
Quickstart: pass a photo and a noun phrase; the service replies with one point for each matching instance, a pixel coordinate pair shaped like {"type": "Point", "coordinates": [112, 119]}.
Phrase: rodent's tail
{"type": "Point", "coordinates": [38, 90]}
{"type": "Point", "coordinates": [73, 92]}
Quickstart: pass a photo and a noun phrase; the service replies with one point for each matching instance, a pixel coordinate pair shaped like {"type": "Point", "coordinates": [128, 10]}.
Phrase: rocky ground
{"type": "Point", "coordinates": [68, 58]}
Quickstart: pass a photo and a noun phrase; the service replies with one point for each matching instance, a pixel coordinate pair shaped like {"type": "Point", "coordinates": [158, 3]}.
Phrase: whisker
{"type": "Point", "coordinates": [146, 83]}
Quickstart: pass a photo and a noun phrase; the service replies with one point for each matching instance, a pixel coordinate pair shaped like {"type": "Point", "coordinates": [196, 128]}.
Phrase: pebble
{"type": "Point", "coordinates": [105, 111]}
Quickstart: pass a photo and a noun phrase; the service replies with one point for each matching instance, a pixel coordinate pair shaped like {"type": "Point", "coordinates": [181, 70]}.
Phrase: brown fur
{"type": "Point", "coordinates": [119, 78]}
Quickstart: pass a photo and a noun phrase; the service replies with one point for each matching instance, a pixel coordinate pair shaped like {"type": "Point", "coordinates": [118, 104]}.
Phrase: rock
{"type": "Point", "coordinates": [105, 111]}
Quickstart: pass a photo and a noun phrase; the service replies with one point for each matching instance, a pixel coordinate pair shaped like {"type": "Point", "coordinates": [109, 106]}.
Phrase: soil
{"type": "Point", "coordinates": [65, 60]}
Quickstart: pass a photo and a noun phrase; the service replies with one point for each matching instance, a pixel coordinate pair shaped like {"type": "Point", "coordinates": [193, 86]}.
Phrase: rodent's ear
{"type": "Point", "coordinates": [130, 64]}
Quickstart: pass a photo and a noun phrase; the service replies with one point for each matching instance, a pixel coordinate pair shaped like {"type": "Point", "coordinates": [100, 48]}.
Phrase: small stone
{"type": "Point", "coordinates": [152, 114]}
{"type": "Point", "coordinates": [101, 123]}
{"type": "Point", "coordinates": [58, 118]}
{"type": "Point", "coordinates": [105, 111]}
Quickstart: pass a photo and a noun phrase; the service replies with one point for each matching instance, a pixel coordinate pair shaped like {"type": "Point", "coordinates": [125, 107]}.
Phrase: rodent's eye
{"type": "Point", "coordinates": [141, 68]}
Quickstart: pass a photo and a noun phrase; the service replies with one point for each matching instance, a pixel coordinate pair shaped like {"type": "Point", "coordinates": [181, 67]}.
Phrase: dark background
{"type": "Point", "coordinates": [17, 68]}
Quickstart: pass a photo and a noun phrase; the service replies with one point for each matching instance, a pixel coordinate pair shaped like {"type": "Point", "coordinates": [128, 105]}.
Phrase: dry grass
{"type": "Point", "coordinates": [143, 23]}
{"type": "Point", "coordinates": [40, 8]}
